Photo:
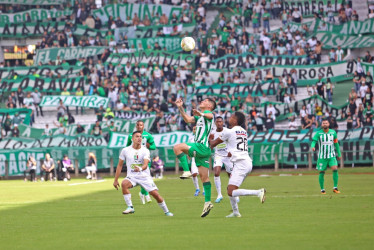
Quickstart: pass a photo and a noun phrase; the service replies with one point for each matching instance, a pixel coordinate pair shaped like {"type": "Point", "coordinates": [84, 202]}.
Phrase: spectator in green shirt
{"type": "Point", "coordinates": [255, 22]}
{"type": "Point", "coordinates": [224, 35]}
{"type": "Point", "coordinates": [266, 20]}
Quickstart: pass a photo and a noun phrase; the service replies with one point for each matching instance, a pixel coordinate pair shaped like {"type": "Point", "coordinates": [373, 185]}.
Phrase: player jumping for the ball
{"type": "Point", "coordinates": [327, 139]}
{"type": "Point", "coordinates": [200, 148]}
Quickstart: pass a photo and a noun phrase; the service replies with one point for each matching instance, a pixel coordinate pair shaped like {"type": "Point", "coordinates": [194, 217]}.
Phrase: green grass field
{"type": "Point", "coordinates": [59, 215]}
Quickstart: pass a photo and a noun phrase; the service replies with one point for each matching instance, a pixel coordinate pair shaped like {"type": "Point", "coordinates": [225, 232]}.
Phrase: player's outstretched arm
{"type": "Point", "coordinates": [209, 115]}
{"type": "Point", "coordinates": [118, 173]}
{"type": "Point", "coordinates": [186, 118]}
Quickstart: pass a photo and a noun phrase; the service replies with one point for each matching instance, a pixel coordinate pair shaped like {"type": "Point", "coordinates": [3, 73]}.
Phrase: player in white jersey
{"type": "Point", "coordinates": [137, 158]}
{"type": "Point", "coordinates": [220, 157]}
{"type": "Point", "coordinates": [194, 169]}
{"type": "Point", "coordinates": [237, 148]}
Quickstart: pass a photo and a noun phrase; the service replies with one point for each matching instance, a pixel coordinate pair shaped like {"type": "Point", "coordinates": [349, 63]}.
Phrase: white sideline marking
{"type": "Point", "coordinates": [320, 195]}
{"type": "Point", "coordinates": [83, 183]}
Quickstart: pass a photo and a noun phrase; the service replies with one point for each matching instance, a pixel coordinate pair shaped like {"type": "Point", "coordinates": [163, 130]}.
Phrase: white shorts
{"type": "Point", "coordinates": [240, 171]}
{"type": "Point", "coordinates": [219, 161]}
{"type": "Point", "coordinates": [145, 181]}
{"type": "Point", "coordinates": [194, 169]}
{"type": "Point", "coordinates": [91, 168]}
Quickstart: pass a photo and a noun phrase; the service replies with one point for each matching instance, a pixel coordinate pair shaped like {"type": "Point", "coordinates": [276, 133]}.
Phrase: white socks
{"type": "Point", "coordinates": [163, 206]}
{"type": "Point", "coordinates": [234, 205]}
{"type": "Point", "coordinates": [147, 198]}
{"type": "Point", "coordinates": [195, 182]}
{"type": "Point", "coordinates": [127, 198]}
{"type": "Point", "coordinates": [217, 182]}
{"type": "Point", "coordinates": [245, 192]}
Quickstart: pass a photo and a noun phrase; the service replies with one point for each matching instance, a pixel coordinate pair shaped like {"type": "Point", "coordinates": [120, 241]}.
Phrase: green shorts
{"type": "Point", "coordinates": [322, 164]}
{"type": "Point", "coordinates": [201, 154]}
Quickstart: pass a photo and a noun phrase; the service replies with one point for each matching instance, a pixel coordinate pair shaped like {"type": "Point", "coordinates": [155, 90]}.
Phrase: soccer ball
{"type": "Point", "coordinates": [188, 44]}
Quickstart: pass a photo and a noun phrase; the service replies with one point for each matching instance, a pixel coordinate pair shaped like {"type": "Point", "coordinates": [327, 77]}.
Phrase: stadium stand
{"type": "Point", "coordinates": [266, 58]}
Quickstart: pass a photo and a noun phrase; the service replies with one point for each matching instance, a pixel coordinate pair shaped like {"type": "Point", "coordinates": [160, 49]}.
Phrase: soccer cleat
{"type": "Point", "coordinates": [148, 199]}
{"type": "Point", "coordinates": [218, 200]}
{"type": "Point", "coordinates": [234, 215]}
{"type": "Point", "coordinates": [207, 207]}
{"type": "Point", "coordinates": [142, 198]}
{"type": "Point", "coordinates": [323, 191]}
{"type": "Point", "coordinates": [186, 175]}
{"type": "Point", "coordinates": [336, 191]}
{"type": "Point", "coordinates": [169, 214]}
{"type": "Point", "coordinates": [197, 192]}
{"type": "Point", "coordinates": [262, 195]}
{"type": "Point", "coordinates": [129, 210]}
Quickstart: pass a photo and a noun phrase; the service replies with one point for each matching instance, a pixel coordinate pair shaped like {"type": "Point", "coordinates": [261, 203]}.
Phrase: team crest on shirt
{"type": "Point", "coordinates": [136, 157]}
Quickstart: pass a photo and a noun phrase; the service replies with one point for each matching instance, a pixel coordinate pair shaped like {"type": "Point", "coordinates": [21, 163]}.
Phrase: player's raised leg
{"type": "Point", "coordinates": [126, 185]}
{"type": "Point", "coordinates": [181, 151]}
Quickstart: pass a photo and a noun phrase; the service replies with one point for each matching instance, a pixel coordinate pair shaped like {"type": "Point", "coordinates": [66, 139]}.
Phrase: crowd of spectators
{"type": "Point", "coordinates": [155, 88]}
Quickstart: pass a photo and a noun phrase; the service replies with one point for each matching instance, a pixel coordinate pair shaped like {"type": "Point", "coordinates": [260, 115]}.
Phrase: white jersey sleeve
{"type": "Point", "coordinates": [220, 149]}
{"type": "Point", "coordinates": [237, 143]}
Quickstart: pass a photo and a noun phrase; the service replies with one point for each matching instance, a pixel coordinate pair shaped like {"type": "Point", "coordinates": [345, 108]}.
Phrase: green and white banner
{"type": "Point", "coordinates": [168, 43]}
{"type": "Point", "coordinates": [74, 101]}
{"type": "Point", "coordinates": [155, 56]}
{"type": "Point", "coordinates": [293, 146]}
{"type": "Point", "coordinates": [333, 40]}
{"type": "Point", "coordinates": [242, 90]}
{"type": "Point", "coordinates": [218, 3]}
{"type": "Point", "coordinates": [294, 27]}
{"type": "Point", "coordinates": [240, 61]}
{"type": "Point", "coordinates": [368, 67]}
{"type": "Point", "coordinates": [52, 54]}
{"type": "Point", "coordinates": [33, 2]}
{"type": "Point", "coordinates": [29, 83]}
{"type": "Point", "coordinates": [129, 10]}
{"type": "Point", "coordinates": [83, 30]}
{"type": "Point", "coordinates": [348, 28]}
{"type": "Point", "coordinates": [118, 140]}
{"type": "Point", "coordinates": [23, 113]}
{"type": "Point", "coordinates": [284, 110]}
{"type": "Point", "coordinates": [307, 74]}
{"type": "Point", "coordinates": [65, 71]}
{"type": "Point", "coordinates": [120, 125]}
{"type": "Point", "coordinates": [309, 7]}
{"type": "Point", "coordinates": [36, 29]}
{"type": "Point", "coordinates": [35, 15]}
{"type": "Point", "coordinates": [134, 115]}
{"type": "Point", "coordinates": [151, 31]}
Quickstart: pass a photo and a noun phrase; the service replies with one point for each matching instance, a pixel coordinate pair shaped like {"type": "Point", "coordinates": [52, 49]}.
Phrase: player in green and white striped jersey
{"type": "Point", "coordinates": [327, 140]}
{"type": "Point", "coordinates": [200, 148]}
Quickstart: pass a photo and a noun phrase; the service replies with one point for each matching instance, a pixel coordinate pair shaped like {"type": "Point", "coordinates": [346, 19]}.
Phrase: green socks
{"type": "Point", "coordinates": [143, 191]}
{"type": "Point", "coordinates": [208, 190]}
{"type": "Point", "coordinates": [321, 180]}
{"type": "Point", "coordinates": [184, 162]}
{"type": "Point", "coordinates": [335, 177]}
